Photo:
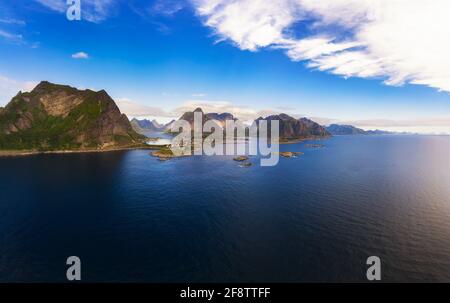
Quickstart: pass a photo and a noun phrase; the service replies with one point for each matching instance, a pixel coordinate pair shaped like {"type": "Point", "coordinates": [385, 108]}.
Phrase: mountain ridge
{"type": "Point", "coordinates": [290, 128]}
{"type": "Point", "coordinates": [61, 117]}
{"type": "Point", "coordinates": [145, 125]}
{"type": "Point", "coordinates": [345, 129]}
{"type": "Point", "coordinates": [293, 129]}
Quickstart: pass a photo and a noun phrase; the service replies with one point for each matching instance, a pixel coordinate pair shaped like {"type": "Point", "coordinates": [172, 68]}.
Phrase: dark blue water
{"type": "Point", "coordinates": [318, 217]}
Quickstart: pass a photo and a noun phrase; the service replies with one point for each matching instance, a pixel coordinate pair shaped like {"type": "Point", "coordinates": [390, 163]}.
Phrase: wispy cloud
{"type": "Point", "coordinates": [199, 95]}
{"type": "Point", "coordinates": [246, 114]}
{"type": "Point", "coordinates": [133, 109]}
{"type": "Point", "coordinates": [12, 21]}
{"type": "Point", "coordinates": [243, 113]}
{"type": "Point", "coordinates": [14, 38]}
{"type": "Point", "coordinates": [434, 125]}
{"type": "Point", "coordinates": [95, 11]}
{"type": "Point", "coordinates": [56, 5]}
{"type": "Point", "coordinates": [159, 13]}
{"type": "Point", "coordinates": [167, 7]}
{"type": "Point", "coordinates": [80, 55]}
{"type": "Point", "coordinates": [398, 41]}
{"type": "Point", "coordinates": [420, 122]}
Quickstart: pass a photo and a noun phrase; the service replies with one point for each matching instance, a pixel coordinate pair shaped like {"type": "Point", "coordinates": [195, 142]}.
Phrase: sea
{"type": "Point", "coordinates": [317, 217]}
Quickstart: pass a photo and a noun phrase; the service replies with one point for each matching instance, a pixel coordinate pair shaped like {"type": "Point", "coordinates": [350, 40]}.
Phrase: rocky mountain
{"type": "Point", "coordinates": [291, 128]}
{"type": "Point", "coordinates": [189, 116]}
{"type": "Point", "coordinates": [168, 126]}
{"type": "Point", "coordinates": [60, 117]}
{"type": "Point", "coordinates": [145, 125]}
{"type": "Point", "coordinates": [337, 129]}
{"type": "Point", "coordinates": [220, 119]}
{"type": "Point", "coordinates": [384, 132]}
{"type": "Point", "coordinates": [157, 125]}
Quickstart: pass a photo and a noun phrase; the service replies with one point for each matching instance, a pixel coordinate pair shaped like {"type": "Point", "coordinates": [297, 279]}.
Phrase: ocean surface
{"type": "Point", "coordinates": [318, 217]}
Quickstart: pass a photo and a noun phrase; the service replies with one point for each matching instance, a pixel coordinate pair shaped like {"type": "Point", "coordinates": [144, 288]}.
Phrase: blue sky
{"type": "Point", "coordinates": [159, 58]}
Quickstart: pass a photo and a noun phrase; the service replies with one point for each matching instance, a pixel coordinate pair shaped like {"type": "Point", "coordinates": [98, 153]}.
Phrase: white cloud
{"type": "Point", "coordinates": [166, 7]}
{"type": "Point", "coordinates": [56, 5]}
{"type": "Point", "coordinates": [429, 125]}
{"type": "Point", "coordinates": [243, 113]}
{"type": "Point", "coordinates": [95, 11]}
{"type": "Point", "coordinates": [12, 21]}
{"type": "Point", "coordinates": [10, 87]}
{"type": "Point", "coordinates": [434, 125]}
{"type": "Point", "coordinates": [11, 37]}
{"type": "Point", "coordinates": [199, 95]}
{"type": "Point", "coordinates": [141, 111]}
{"type": "Point", "coordinates": [420, 122]}
{"type": "Point", "coordinates": [133, 109]}
{"type": "Point", "coordinates": [80, 55]}
{"type": "Point", "coordinates": [400, 41]}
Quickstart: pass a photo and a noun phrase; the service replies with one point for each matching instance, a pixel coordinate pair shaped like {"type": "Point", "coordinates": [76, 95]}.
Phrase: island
{"type": "Point", "coordinates": [55, 118]}
{"type": "Point", "coordinates": [240, 158]}
{"type": "Point", "coordinates": [60, 118]}
{"type": "Point", "coordinates": [290, 154]}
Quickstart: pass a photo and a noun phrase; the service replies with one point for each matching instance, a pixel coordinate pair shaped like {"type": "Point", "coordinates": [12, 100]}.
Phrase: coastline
{"type": "Point", "coordinates": [302, 140]}
{"type": "Point", "coordinates": [24, 153]}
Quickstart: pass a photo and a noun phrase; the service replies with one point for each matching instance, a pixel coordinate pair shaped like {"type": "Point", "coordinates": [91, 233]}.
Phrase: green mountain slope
{"type": "Point", "coordinates": [58, 117]}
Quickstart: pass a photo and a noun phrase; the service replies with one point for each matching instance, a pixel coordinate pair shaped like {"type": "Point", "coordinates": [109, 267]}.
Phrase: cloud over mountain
{"type": "Point", "coordinates": [133, 109]}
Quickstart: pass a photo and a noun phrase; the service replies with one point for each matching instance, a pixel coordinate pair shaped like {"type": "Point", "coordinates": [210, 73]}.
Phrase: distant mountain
{"type": "Point", "coordinates": [291, 128]}
{"type": "Point", "coordinates": [145, 125]}
{"type": "Point", "coordinates": [167, 127]}
{"type": "Point", "coordinates": [220, 119]}
{"type": "Point", "coordinates": [157, 125]}
{"type": "Point", "coordinates": [383, 132]}
{"type": "Point", "coordinates": [189, 116]}
{"type": "Point", "coordinates": [336, 129]}
{"type": "Point", "coordinates": [59, 117]}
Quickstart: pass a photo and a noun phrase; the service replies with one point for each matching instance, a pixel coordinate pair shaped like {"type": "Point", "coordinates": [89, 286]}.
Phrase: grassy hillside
{"type": "Point", "coordinates": [25, 124]}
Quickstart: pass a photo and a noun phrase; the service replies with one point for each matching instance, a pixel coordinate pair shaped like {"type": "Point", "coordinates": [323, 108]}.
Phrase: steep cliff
{"type": "Point", "coordinates": [59, 117]}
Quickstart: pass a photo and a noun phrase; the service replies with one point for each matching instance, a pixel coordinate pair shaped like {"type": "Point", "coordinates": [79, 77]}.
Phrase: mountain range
{"type": "Point", "coordinates": [290, 128]}
{"type": "Point", "coordinates": [60, 117]}
{"type": "Point", "coordinates": [220, 119]}
{"type": "Point", "coordinates": [145, 126]}
{"type": "Point", "coordinates": [337, 129]}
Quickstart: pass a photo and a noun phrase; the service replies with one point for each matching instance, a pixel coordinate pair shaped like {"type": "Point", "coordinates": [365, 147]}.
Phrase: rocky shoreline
{"type": "Point", "coordinates": [24, 153]}
{"type": "Point", "coordinates": [290, 154]}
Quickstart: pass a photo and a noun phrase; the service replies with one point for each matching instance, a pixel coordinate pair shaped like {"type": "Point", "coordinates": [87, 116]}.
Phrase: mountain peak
{"type": "Point", "coordinates": [43, 85]}
{"type": "Point", "coordinates": [55, 117]}
{"type": "Point", "coordinates": [291, 128]}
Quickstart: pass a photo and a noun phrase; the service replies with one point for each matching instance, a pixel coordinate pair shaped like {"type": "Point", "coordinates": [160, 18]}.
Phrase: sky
{"type": "Point", "coordinates": [374, 64]}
